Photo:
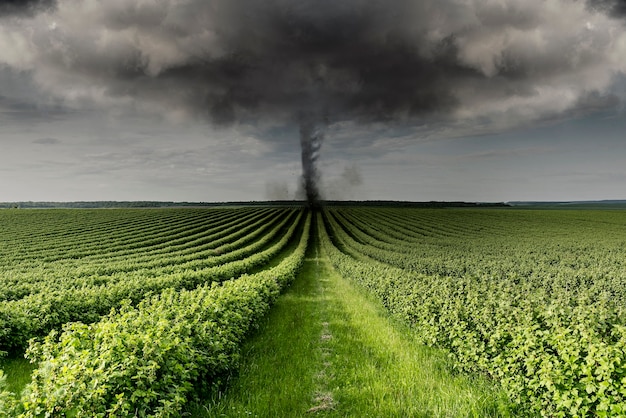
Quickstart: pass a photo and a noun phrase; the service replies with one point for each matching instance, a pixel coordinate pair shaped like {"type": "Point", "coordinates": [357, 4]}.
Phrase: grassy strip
{"type": "Point", "coordinates": [380, 370]}
{"type": "Point", "coordinates": [17, 371]}
{"type": "Point", "coordinates": [326, 349]}
{"type": "Point", "coordinates": [274, 376]}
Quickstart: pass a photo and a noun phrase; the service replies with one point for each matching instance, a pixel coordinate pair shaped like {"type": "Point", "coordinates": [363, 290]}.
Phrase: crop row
{"type": "Point", "coordinates": [555, 253]}
{"type": "Point", "coordinates": [17, 284]}
{"type": "Point", "coordinates": [167, 239]}
{"type": "Point", "coordinates": [25, 274]}
{"type": "Point", "coordinates": [86, 301]}
{"type": "Point", "coordinates": [150, 360]}
{"type": "Point", "coordinates": [216, 251]}
{"type": "Point", "coordinates": [119, 241]}
{"type": "Point", "coordinates": [62, 231]}
{"type": "Point", "coordinates": [557, 343]}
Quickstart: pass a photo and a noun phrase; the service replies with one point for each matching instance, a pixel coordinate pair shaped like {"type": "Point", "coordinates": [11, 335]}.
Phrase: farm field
{"type": "Point", "coordinates": [534, 299]}
{"type": "Point", "coordinates": [144, 311]}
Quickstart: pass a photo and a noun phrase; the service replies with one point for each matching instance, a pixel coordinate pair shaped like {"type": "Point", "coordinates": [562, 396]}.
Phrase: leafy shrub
{"type": "Point", "coordinates": [557, 343]}
{"type": "Point", "coordinates": [147, 360]}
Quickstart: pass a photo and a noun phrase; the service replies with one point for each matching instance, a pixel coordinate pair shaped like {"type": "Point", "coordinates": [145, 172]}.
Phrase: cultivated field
{"type": "Point", "coordinates": [144, 312]}
{"type": "Point", "coordinates": [534, 299]}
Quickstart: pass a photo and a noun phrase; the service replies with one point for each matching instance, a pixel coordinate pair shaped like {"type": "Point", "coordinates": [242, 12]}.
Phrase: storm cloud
{"type": "Point", "coordinates": [615, 8]}
{"type": "Point", "coordinates": [25, 7]}
{"type": "Point", "coordinates": [366, 61]}
{"type": "Point", "coordinates": [447, 66]}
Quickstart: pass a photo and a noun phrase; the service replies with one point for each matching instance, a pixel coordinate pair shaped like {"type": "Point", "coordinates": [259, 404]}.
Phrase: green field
{"type": "Point", "coordinates": [378, 311]}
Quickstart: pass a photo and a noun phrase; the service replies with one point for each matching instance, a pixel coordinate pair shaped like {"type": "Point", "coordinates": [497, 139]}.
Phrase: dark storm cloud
{"type": "Point", "coordinates": [276, 59]}
{"type": "Point", "coordinates": [24, 7]}
{"type": "Point", "coordinates": [595, 102]}
{"type": "Point", "coordinates": [615, 8]}
{"type": "Point", "coordinates": [364, 61]}
{"type": "Point", "coordinates": [346, 61]}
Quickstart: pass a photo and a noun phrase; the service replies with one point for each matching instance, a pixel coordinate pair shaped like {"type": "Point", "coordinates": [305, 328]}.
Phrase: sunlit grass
{"type": "Point", "coordinates": [17, 371]}
{"type": "Point", "coordinates": [381, 371]}
{"type": "Point", "coordinates": [326, 349]}
{"type": "Point", "coordinates": [275, 376]}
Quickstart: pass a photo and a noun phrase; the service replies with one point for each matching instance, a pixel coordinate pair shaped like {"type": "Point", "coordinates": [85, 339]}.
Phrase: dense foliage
{"type": "Point", "coordinates": [136, 311]}
{"type": "Point", "coordinates": [103, 258]}
{"type": "Point", "coordinates": [535, 299]}
{"type": "Point", "coordinates": [148, 360]}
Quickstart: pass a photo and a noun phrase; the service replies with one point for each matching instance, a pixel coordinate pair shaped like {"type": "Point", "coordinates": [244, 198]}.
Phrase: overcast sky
{"type": "Point", "coordinates": [204, 100]}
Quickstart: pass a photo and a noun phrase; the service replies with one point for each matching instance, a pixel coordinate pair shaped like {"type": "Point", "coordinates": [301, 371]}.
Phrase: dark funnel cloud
{"type": "Point", "coordinates": [475, 66]}
{"type": "Point", "coordinates": [302, 60]}
{"type": "Point", "coordinates": [310, 143]}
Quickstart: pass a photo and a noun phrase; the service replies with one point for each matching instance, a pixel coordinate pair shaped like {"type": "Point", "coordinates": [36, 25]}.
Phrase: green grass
{"type": "Point", "coordinates": [326, 349]}
{"type": "Point", "coordinates": [380, 371]}
{"type": "Point", "coordinates": [275, 373]}
{"type": "Point", "coordinates": [17, 371]}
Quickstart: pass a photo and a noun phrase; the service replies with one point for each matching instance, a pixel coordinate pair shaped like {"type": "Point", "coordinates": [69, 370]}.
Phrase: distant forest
{"type": "Point", "coordinates": [156, 204]}
{"type": "Point", "coordinates": [590, 204]}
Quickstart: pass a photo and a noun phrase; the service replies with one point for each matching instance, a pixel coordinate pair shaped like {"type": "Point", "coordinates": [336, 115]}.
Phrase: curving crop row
{"type": "Point", "coordinates": [152, 241]}
{"type": "Point", "coordinates": [210, 250]}
{"type": "Point", "coordinates": [163, 230]}
{"type": "Point", "coordinates": [149, 360]}
{"type": "Point", "coordinates": [550, 251]}
{"type": "Point", "coordinates": [557, 345]}
{"type": "Point", "coordinates": [52, 276]}
{"type": "Point", "coordinates": [57, 232]}
{"type": "Point", "coordinates": [36, 315]}
{"type": "Point", "coordinates": [103, 231]}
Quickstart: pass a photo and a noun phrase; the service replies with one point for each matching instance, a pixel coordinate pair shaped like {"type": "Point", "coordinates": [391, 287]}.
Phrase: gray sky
{"type": "Point", "coordinates": [201, 100]}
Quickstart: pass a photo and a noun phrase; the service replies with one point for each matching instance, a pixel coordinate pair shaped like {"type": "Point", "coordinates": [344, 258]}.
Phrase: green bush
{"type": "Point", "coordinates": [558, 347]}
{"type": "Point", "coordinates": [148, 360]}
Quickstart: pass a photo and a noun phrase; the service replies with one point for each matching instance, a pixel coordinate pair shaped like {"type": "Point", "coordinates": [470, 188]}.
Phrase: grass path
{"type": "Point", "coordinates": [326, 349]}
{"type": "Point", "coordinates": [17, 371]}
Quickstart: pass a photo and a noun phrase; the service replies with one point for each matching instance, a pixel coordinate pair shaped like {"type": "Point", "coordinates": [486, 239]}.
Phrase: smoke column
{"type": "Point", "coordinates": [310, 142]}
